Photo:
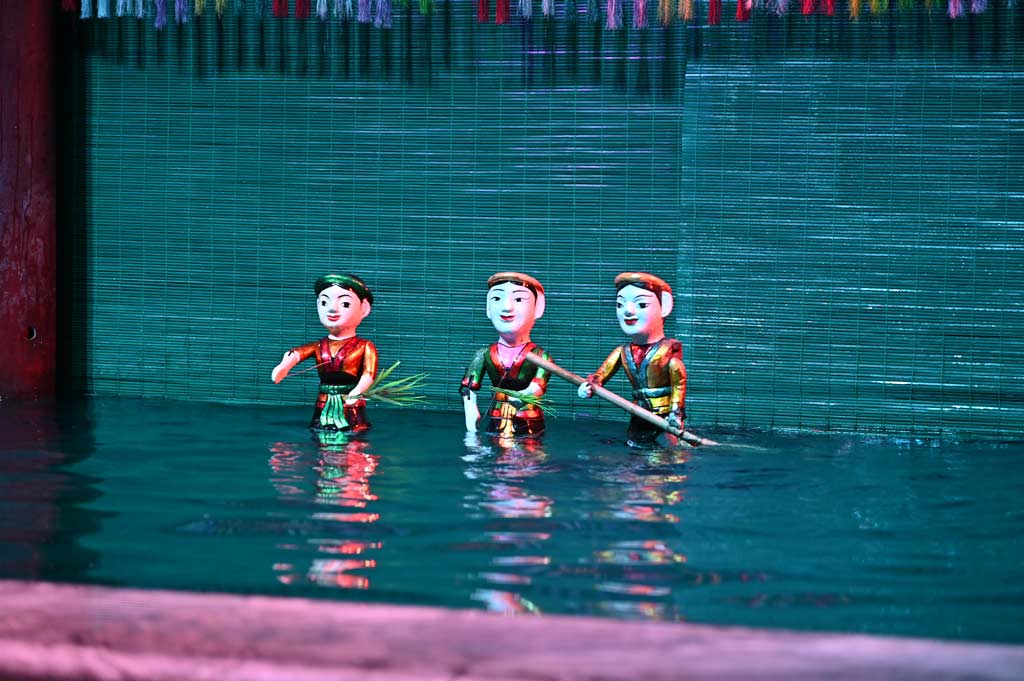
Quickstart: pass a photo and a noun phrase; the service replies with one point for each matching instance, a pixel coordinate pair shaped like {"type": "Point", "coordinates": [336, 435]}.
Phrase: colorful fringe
{"type": "Point", "coordinates": [639, 13]}
{"type": "Point", "coordinates": [742, 10]}
{"type": "Point", "coordinates": [665, 12]}
{"type": "Point", "coordinates": [363, 17]}
{"type": "Point", "coordinates": [181, 11]}
{"type": "Point", "coordinates": [956, 9]}
{"type": "Point", "coordinates": [382, 13]}
{"type": "Point", "coordinates": [614, 18]}
{"type": "Point", "coordinates": [526, 9]}
{"type": "Point", "coordinates": [714, 12]}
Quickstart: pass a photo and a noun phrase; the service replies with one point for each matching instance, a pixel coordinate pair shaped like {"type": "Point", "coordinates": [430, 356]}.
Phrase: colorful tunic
{"type": "Point", "coordinates": [658, 377]}
{"type": "Point", "coordinates": [341, 363]}
{"type": "Point", "coordinates": [517, 374]}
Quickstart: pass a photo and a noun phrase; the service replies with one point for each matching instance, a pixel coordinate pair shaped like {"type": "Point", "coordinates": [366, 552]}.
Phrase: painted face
{"type": "Point", "coordinates": [638, 311]}
{"type": "Point", "coordinates": [512, 308]}
{"type": "Point", "coordinates": [340, 310]}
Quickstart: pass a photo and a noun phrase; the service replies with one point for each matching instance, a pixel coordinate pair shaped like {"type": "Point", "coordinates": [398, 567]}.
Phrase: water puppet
{"type": "Point", "coordinates": [346, 363]}
{"type": "Point", "coordinates": [515, 301]}
{"type": "Point", "coordinates": [652, 362]}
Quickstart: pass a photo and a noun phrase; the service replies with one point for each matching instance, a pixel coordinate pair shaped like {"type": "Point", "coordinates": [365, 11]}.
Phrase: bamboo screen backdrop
{"type": "Point", "coordinates": [839, 207]}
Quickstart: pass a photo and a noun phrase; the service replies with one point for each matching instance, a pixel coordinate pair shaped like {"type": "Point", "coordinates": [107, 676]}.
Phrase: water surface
{"type": "Point", "coordinates": [811, 531]}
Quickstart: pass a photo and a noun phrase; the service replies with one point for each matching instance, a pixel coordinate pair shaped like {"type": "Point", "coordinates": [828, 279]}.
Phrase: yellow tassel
{"type": "Point", "coordinates": [665, 12]}
{"type": "Point", "coordinates": [854, 10]}
{"type": "Point", "coordinates": [200, 6]}
{"type": "Point", "coordinates": [220, 5]}
{"type": "Point", "coordinates": [879, 6]}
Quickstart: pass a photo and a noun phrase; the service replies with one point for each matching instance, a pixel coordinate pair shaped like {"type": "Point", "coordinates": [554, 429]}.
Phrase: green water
{"type": "Point", "coordinates": [813, 531]}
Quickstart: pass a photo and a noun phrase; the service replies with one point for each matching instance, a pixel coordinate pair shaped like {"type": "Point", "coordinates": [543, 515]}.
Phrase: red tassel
{"type": "Point", "coordinates": [807, 7]}
{"type": "Point", "coordinates": [301, 9]}
{"type": "Point", "coordinates": [714, 12]}
{"type": "Point", "coordinates": [280, 8]}
{"type": "Point", "coordinates": [742, 10]}
{"type": "Point", "coordinates": [830, 7]}
{"type": "Point", "coordinates": [483, 11]}
{"type": "Point", "coordinates": [502, 10]}
{"type": "Point", "coordinates": [69, 5]}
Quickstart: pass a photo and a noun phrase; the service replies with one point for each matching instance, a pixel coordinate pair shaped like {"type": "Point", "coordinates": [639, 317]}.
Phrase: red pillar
{"type": "Point", "coordinates": [28, 226]}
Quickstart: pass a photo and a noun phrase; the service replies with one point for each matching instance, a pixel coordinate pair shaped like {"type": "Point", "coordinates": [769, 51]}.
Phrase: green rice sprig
{"type": "Point", "coordinates": [397, 392]}
{"type": "Point", "coordinates": [528, 398]}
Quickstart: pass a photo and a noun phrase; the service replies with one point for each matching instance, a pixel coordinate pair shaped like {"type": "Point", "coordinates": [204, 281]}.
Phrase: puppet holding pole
{"type": "Point", "coordinates": [652, 362]}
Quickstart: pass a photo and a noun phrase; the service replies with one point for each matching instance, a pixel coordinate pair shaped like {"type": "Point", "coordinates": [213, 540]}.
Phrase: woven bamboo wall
{"type": "Point", "coordinates": [839, 206]}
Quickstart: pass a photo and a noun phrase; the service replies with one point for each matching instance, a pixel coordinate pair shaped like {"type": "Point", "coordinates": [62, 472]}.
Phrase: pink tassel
{"type": "Point", "coordinates": [639, 13]}
{"type": "Point", "coordinates": [161, 15]}
{"type": "Point", "coordinates": [807, 7]}
{"type": "Point", "coordinates": [614, 21]}
{"type": "Point", "coordinates": [978, 6]}
{"type": "Point", "coordinates": [956, 9]}
{"type": "Point", "coordinates": [363, 16]}
{"type": "Point", "coordinates": [714, 12]}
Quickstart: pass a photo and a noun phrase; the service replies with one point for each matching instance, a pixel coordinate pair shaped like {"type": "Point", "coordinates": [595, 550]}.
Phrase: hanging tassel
{"type": "Point", "coordinates": [807, 7]}
{"type": "Point", "coordinates": [280, 8]}
{"type": "Point", "coordinates": [714, 12]}
{"type": "Point", "coordinates": [483, 11]}
{"type": "Point", "coordinates": [778, 7]}
{"type": "Point", "coordinates": [526, 9]}
{"type": "Point", "coordinates": [86, 9]}
{"type": "Point", "coordinates": [350, 10]}
{"type": "Point", "coordinates": [103, 9]}
{"type": "Point", "coordinates": [742, 10]}
{"type": "Point", "coordinates": [321, 9]}
{"type": "Point", "coordinates": [200, 7]}
{"type": "Point", "coordinates": [219, 6]}
{"type": "Point", "coordinates": [301, 9]}
{"type": "Point", "coordinates": [161, 15]}
{"type": "Point", "coordinates": [879, 6]}
{"type": "Point", "coordinates": [181, 11]}
{"type": "Point", "coordinates": [123, 7]}
{"type": "Point", "coordinates": [665, 12]}
{"type": "Point", "coordinates": [830, 8]}
{"type": "Point", "coordinates": [426, 6]}
{"type": "Point", "coordinates": [593, 12]}
{"type": "Point", "coordinates": [382, 13]}
{"type": "Point", "coordinates": [854, 10]}
{"type": "Point", "coordinates": [956, 9]}
{"type": "Point", "coordinates": [639, 13]}
{"type": "Point", "coordinates": [364, 12]}
{"type": "Point", "coordinates": [502, 11]}
{"type": "Point", "coordinates": [978, 6]}
{"type": "Point", "coordinates": [547, 8]}
{"type": "Point", "coordinates": [614, 18]}
{"type": "Point", "coordinates": [686, 10]}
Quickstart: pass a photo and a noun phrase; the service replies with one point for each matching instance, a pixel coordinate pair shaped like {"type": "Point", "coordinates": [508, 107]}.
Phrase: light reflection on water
{"type": "Point", "coordinates": [811, 531]}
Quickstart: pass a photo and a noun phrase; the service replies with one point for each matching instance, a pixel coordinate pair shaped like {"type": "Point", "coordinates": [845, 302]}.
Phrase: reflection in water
{"type": "Point", "coordinates": [502, 466]}
{"type": "Point", "coordinates": [339, 469]}
{"type": "Point", "coordinates": [615, 551]}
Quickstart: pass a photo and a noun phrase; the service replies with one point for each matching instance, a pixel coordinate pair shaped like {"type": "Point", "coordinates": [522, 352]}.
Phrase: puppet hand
{"type": "Point", "coordinates": [352, 399]}
{"type": "Point", "coordinates": [282, 369]}
{"type": "Point", "coordinates": [586, 391]}
{"type": "Point", "coordinates": [675, 421]}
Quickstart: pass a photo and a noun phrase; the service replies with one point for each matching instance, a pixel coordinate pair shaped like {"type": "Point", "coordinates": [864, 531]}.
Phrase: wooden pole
{"type": "Point", "coordinates": [621, 402]}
